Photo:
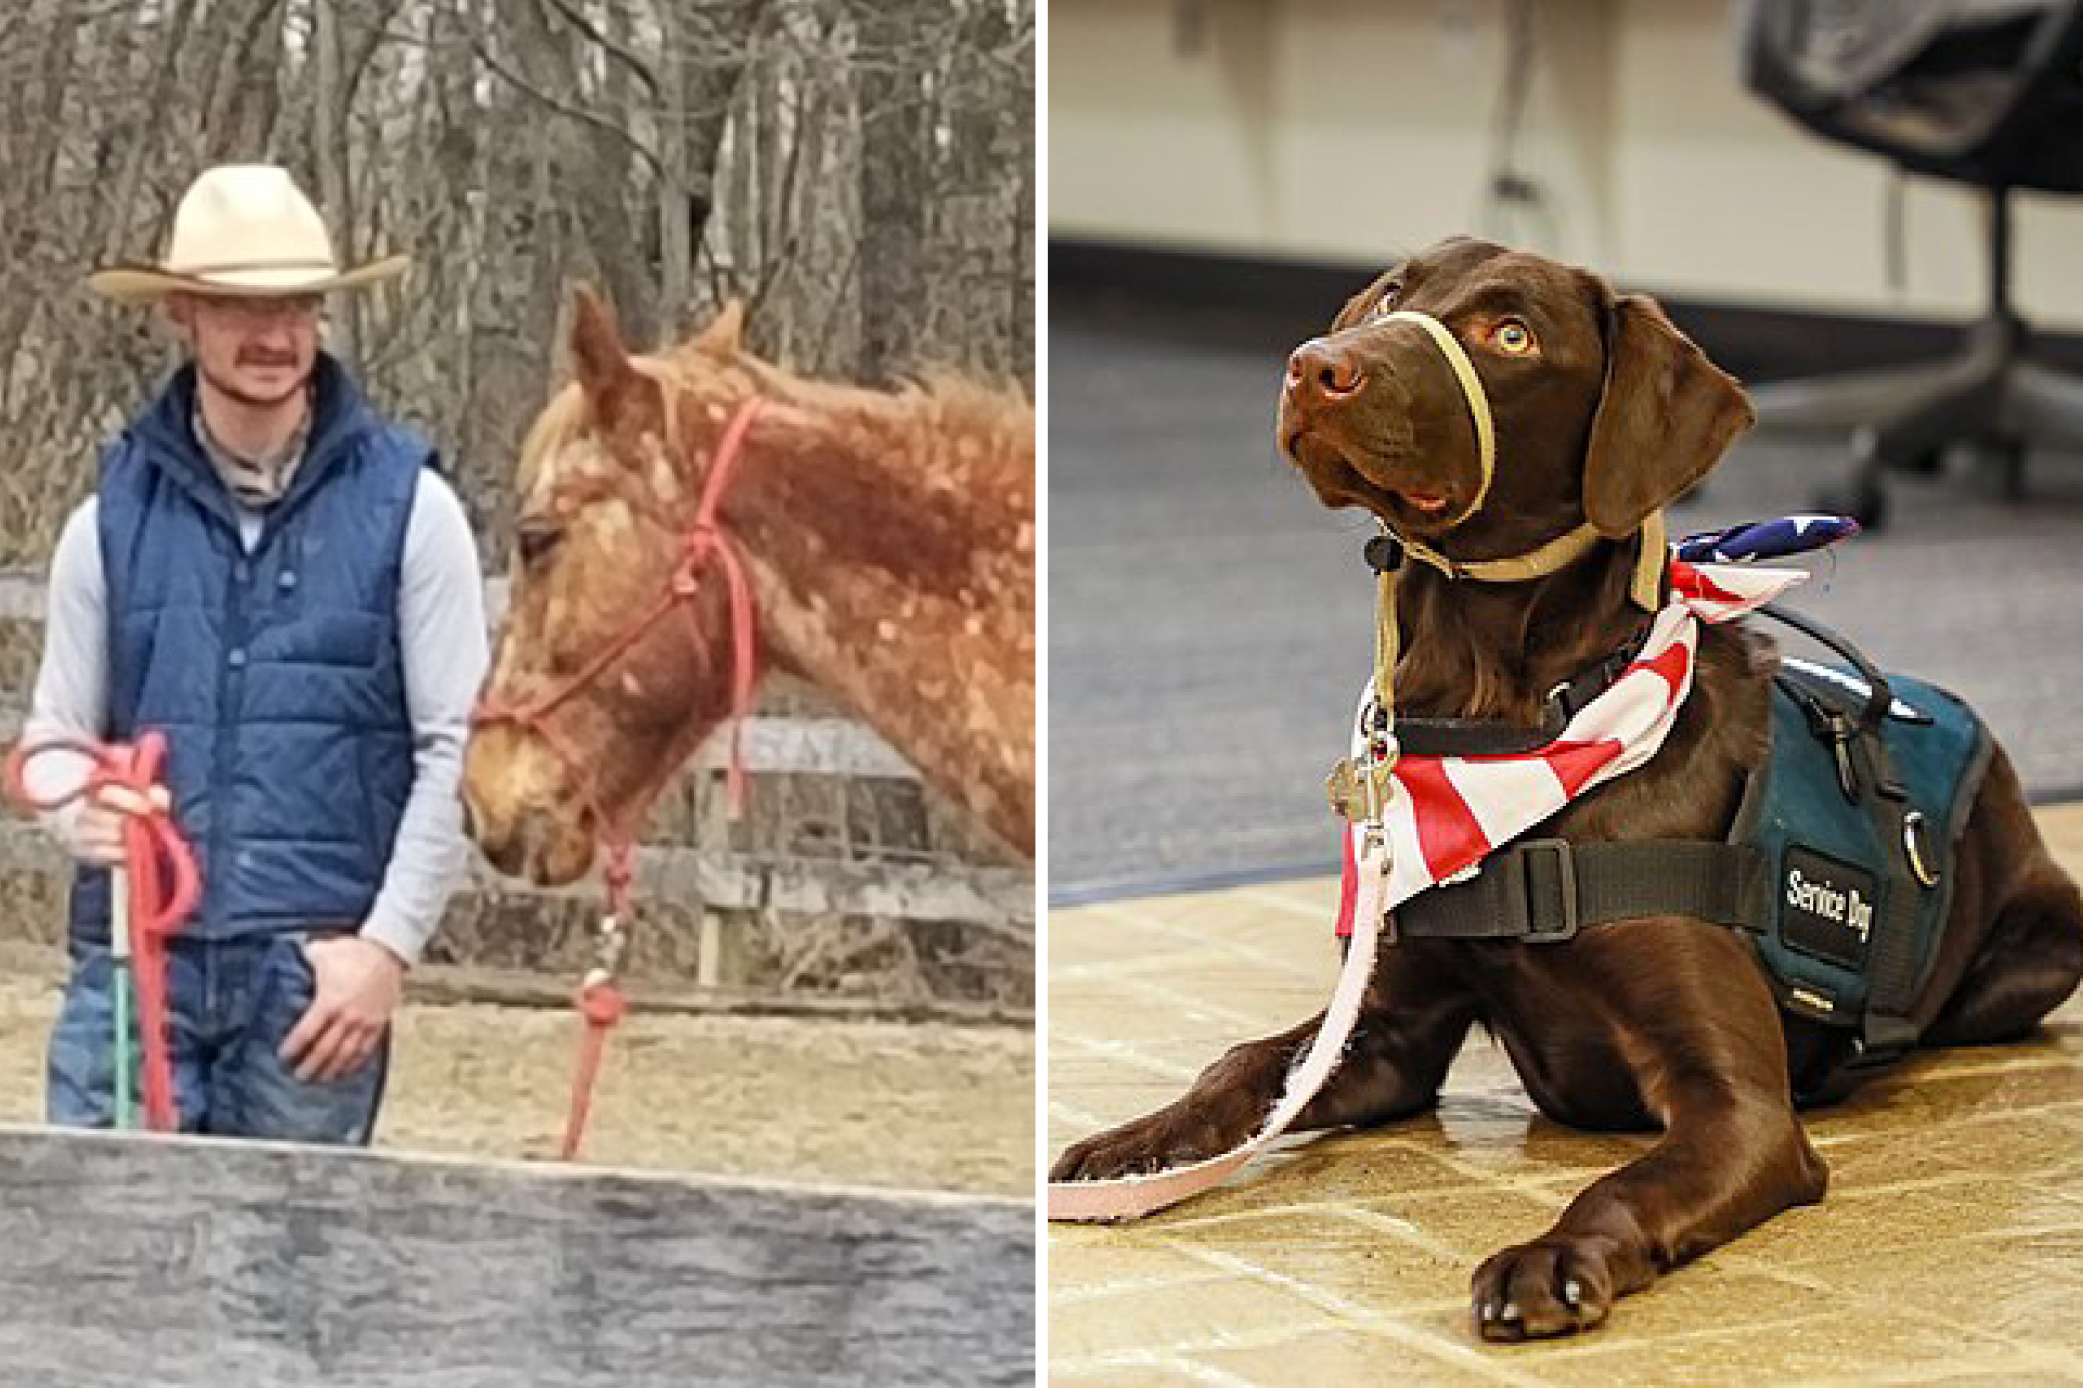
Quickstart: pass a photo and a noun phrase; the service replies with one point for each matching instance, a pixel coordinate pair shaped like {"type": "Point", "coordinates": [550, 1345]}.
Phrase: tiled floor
{"type": "Point", "coordinates": [1950, 1249]}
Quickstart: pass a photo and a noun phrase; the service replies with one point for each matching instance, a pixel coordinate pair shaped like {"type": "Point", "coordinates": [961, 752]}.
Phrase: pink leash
{"type": "Point", "coordinates": [1131, 1197]}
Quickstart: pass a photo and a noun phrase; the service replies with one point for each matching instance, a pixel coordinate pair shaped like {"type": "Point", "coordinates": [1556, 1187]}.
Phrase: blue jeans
{"type": "Point", "coordinates": [229, 1005]}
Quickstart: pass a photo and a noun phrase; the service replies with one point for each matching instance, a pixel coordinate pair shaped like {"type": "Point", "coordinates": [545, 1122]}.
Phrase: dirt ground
{"type": "Point", "coordinates": [924, 1106]}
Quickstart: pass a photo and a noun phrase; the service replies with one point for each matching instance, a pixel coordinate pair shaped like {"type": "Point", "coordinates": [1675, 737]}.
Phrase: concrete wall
{"type": "Point", "coordinates": [217, 1263]}
{"type": "Point", "coordinates": [1345, 129]}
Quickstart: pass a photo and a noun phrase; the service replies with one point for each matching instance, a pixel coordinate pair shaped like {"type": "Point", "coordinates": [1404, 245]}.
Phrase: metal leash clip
{"type": "Point", "coordinates": [1383, 751]}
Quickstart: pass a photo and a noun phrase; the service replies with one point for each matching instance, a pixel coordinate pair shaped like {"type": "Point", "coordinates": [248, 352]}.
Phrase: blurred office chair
{"type": "Point", "coordinates": [1984, 92]}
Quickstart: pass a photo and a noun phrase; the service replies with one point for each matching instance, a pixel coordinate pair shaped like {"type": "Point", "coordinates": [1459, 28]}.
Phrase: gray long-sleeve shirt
{"type": "Point", "coordinates": [441, 629]}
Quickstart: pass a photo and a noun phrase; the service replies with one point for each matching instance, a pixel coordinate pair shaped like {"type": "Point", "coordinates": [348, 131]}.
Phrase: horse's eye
{"type": "Point", "coordinates": [1386, 304]}
{"type": "Point", "coordinates": [536, 538]}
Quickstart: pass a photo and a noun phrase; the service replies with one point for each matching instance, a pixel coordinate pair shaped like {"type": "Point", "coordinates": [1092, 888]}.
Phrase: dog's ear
{"type": "Point", "coordinates": [1666, 417]}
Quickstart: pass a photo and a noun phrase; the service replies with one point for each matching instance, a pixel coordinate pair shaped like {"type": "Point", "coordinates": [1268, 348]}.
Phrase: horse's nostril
{"type": "Point", "coordinates": [469, 821]}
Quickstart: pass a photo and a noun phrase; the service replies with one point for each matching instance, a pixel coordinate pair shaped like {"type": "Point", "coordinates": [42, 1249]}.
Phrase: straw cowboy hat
{"type": "Point", "coordinates": [245, 230]}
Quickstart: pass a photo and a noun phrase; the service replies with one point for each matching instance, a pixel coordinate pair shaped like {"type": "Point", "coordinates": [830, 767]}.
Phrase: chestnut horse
{"type": "Point", "coordinates": [690, 519]}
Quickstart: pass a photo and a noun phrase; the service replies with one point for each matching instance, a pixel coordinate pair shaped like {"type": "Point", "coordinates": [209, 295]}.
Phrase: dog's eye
{"type": "Point", "coordinates": [1512, 337]}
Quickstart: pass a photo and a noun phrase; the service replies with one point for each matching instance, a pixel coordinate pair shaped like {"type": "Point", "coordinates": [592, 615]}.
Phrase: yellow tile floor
{"type": "Point", "coordinates": [1950, 1249]}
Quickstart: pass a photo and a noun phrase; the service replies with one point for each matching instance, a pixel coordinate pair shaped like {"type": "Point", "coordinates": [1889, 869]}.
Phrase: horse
{"type": "Point", "coordinates": [690, 520]}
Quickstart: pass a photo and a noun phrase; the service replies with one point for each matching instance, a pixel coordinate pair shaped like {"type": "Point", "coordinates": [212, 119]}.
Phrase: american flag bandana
{"type": "Point", "coordinates": [1766, 539]}
{"type": "Point", "coordinates": [1452, 812]}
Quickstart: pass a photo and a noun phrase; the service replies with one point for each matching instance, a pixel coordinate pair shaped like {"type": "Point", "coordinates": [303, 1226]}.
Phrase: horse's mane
{"type": "Point", "coordinates": [955, 400]}
{"type": "Point", "coordinates": [962, 436]}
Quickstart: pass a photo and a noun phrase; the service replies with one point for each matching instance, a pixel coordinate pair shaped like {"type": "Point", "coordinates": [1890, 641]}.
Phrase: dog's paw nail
{"type": "Point", "coordinates": [1510, 1311]}
{"type": "Point", "coordinates": [1488, 1310]}
{"type": "Point", "coordinates": [1573, 1292]}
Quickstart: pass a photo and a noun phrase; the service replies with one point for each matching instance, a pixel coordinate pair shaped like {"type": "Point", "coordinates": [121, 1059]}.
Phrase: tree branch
{"type": "Point", "coordinates": [622, 52]}
{"type": "Point", "coordinates": [564, 108]}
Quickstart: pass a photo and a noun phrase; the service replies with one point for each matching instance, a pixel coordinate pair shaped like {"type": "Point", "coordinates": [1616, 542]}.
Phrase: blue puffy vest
{"type": "Point", "coordinates": [276, 675]}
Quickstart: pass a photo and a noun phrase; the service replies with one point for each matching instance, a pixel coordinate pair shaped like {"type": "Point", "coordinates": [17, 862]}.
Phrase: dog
{"type": "Point", "coordinates": [1603, 412]}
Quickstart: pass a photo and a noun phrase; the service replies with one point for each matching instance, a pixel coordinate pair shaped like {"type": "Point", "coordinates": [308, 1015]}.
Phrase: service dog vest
{"type": "Point", "coordinates": [1838, 864]}
{"type": "Point", "coordinates": [1858, 848]}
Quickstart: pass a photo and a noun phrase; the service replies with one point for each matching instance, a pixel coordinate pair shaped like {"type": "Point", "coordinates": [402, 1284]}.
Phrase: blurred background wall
{"type": "Point", "coordinates": [1341, 130]}
{"type": "Point", "coordinates": [1223, 173]}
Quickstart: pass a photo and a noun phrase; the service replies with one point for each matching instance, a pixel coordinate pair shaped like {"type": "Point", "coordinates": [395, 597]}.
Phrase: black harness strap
{"type": "Point", "coordinates": [1543, 891]}
{"type": "Point", "coordinates": [1486, 737]}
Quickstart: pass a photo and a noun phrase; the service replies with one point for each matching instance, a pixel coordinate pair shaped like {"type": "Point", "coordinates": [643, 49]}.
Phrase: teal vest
{"type": "Point", "coordinates": [1838, 867]}
{"type": "Point", "coordinates": [1858, 848]}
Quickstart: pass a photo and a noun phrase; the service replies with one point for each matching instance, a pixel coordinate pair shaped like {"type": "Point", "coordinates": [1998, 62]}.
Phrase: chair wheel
{"type": "Point", "coordinates": [1857, 497]}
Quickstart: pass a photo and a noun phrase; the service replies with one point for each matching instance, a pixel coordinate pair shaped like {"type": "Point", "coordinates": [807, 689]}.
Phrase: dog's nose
{"type": "Point", "coordinates": [1328, 370]}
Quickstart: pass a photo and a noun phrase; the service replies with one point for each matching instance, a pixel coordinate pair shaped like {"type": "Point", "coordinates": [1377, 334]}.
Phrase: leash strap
{"type": "Point", "coordinates": [1131, 1197]}
{"type": "Point", "coordinates": [599, 999]}
{"type": "Point", "coordinates": [601, 1006]}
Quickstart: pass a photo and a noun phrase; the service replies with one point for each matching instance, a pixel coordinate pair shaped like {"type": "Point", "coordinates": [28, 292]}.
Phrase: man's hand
{"type": "Point", "coordinates": [355, 986]}
{"type": "Point", "coordinates": [95, 834]}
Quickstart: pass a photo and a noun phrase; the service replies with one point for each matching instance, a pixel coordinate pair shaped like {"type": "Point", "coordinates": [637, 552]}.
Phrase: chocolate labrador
{"type": "Point", "coordinates": [1603, 413]}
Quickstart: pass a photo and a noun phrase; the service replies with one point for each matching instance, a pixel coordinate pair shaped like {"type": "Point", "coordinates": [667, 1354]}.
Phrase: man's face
{"type": "Point", "coordinates": [257, 351]}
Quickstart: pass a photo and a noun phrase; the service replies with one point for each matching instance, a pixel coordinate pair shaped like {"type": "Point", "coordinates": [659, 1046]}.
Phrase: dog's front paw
{"type": "Point", "coordinates": [1553, 1286]}
{"type": "Point", "coordinates": [1173, 1136]}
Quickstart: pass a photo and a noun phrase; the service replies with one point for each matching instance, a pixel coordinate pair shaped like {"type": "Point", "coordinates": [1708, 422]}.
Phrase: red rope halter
{"type": "Point", "coordinates": [600, 999]}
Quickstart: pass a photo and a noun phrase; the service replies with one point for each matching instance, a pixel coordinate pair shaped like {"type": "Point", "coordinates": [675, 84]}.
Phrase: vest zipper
{"type": "Point", "coordinates": [231, 671]}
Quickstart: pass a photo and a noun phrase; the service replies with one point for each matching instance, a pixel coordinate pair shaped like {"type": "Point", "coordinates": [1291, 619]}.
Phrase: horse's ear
{"type": "Point", "coordinates": [598, 357]}
{"type": "Point", "coordinates": [725, 332]}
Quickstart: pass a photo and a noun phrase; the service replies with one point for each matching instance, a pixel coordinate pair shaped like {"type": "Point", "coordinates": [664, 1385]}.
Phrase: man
{"type": "Point", "coordinates": [278, 581]}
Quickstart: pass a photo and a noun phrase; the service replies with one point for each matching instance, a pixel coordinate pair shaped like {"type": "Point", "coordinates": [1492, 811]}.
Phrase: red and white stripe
{"type": "Point", "coordinates": [1451, 812]}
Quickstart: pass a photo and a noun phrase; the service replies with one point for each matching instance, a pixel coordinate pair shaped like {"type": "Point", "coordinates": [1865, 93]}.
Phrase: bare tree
{"type": "Point", "coordinates": [895, 150]}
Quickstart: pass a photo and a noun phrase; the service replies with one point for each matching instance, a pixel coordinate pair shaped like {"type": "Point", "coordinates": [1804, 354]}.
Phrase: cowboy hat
{"type": "Point", "coordinates": [245, 230]}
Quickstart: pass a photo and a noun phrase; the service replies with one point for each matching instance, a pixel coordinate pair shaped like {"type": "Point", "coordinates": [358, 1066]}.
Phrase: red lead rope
{"type": "Point", "coordinates": [600, 1001]}
{"type": "Point", "coordinates": [164, 884]}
